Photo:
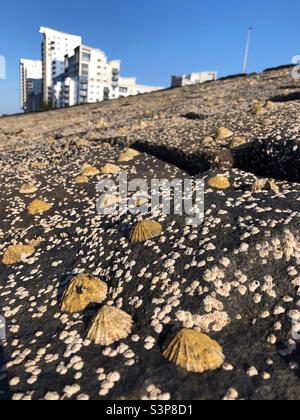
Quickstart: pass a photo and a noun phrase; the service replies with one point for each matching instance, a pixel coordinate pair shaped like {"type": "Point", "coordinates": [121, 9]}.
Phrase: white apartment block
{"type": "Point", "coordinates": [31, 84]}
{"type": "Point", "coordinates": [193, 78]}
{"type": "Point", "coordinates": [129, 87]}
{"type": "Point", "coordinates": [88, 77]}
{"type": "Point", "coordinates": [71, 74]}
{"type": "Point", "coordinates": [55, 46]}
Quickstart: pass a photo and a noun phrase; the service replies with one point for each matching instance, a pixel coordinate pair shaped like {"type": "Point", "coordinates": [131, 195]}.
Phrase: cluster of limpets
{"type": "Point", "coordinates": [188, 349]}
{"type": "Point", "coordinates": [110, 324]}
{"type": "Point", "coordinates": [264, 185]}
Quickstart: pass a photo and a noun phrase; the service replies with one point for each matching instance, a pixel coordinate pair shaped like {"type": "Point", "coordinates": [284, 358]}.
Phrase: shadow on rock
{"type": "Point", "coordinates": [270, 159]}
{"type": "Point", "coordinates": [5, 393]}
{"type": "Point", "coordinates": [193, 164]}
{"type": "Point", "coordinates": [291, 97]}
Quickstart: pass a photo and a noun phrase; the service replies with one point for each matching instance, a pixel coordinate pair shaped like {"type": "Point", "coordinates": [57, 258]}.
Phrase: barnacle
{"type": "Point", "coordinates": [82, 291]}
{"type": "Point", "coordinates": [109, 326]}
{"type": "Point", "coordinates": [194, 351]}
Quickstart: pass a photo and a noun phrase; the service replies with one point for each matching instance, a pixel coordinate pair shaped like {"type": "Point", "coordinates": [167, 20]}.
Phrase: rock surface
{"type": "Point", "coordinates": [235, 277]}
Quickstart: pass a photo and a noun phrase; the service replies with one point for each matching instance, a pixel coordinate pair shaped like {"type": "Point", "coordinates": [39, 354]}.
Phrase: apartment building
{"type": "Point", "coordinates": [31, 85]}
{"type": "Point", "coordinates": [55, 45]}
{"type": "Point", "coordinates": [88, 77]}
{"type": "Point", "coordinates": [129, 87]}
{"type": "Point", "coordinates": [72, 74]}
{"type": "Point", "coordinates": [193, 78]}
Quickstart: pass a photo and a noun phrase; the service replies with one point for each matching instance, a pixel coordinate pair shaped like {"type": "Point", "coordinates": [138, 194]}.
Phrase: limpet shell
{"type": "Point", "coordinates": [17, 253]}
{"type": "Point", "coordinates": [28, 189]}
{"type": "Point", "coordinates": [110, 169]}
{"type": "Point", "coordinates": [109, 326]}
{"type": "Point", "coordinates": [145, 230]}
{"type": "Point", "coordinates": [82, 291]}
{"type": "Point", "coordinates": [128, 155]}
{"type": "Point", "coordinates": [38, 207]}
{"type": "Point", "coordinates": [219, 182]}
{"type": "Point", "coordinates": [194, 351]}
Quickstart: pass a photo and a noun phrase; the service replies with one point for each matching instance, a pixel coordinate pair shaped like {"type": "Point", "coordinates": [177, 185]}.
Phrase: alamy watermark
{"type": "Point", "coordinates": [138, 196]}
{"type": "Point", "coordinates": [295, 331]}
{"type": "Point", "coordinates": [296, 69]}
{"type": "Point", "coordinates": [2, 68]}
{"type": "Point", "coordinates": [2, 328]}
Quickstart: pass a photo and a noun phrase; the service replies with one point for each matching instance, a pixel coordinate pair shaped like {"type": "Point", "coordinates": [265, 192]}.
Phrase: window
{"type": "Point", "coordinates": [86, 56]}
{"type": "Point", "coordinates": [123, 89]}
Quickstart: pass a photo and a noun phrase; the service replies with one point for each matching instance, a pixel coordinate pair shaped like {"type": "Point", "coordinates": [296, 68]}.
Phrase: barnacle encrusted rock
{"type": "Point", "coordinates": [81, 179]}
{"type": "Point", "coordinates": [110, 169]}
{"type": "Point", "coordinates": [128, 154]}
{"type": "Point", "coordinates": [17, 253]}
{"type": "Point", "coordinates": [223, 133]}
{"type": "Point", "coordinates": [82, 291]}
{"type": "Point", "coordinates": [38, 207]}
{"type": "Point", "coordinates": [88, 170]}
{"type": "Point", "coordinates": [28, 189]}
{"type": "Point", "coordinates": [109, 326]}
{"type": "Point", "coordinates": [219, 182]}
{"type": "Point", "coordinates": [145, 230]}
{"type": "Point", "coordinates": [194, 351]}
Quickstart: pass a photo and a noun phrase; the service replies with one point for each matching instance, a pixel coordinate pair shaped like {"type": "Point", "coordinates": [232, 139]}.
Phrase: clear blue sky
{"type": "Point", "coordinates": [153, 38]}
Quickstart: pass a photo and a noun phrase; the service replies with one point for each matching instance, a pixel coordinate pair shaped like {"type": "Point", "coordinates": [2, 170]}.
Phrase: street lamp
{"type": "Point", "coordinates": [247, 48]}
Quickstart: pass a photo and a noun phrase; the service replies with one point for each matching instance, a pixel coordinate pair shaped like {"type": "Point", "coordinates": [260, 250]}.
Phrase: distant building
{"type": "Point", "coordinates": [31, 85]}
{"type": "Point", "coordinates": [71, 74]}
{"type": "Point", "coordinates": [88, 77]}
{"type": "Point", "coordinates": [55, 46]}
{"type": "Point", "coordinates": [129, 87]}
{"type": "Point", "coordinates": [193, 78]}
